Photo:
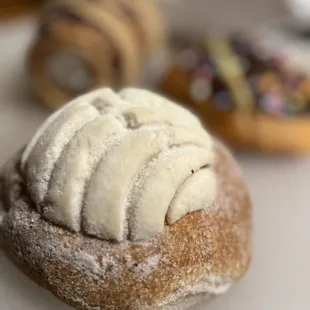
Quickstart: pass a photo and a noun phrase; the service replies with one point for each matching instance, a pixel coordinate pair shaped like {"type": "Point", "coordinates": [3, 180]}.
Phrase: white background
{"type": "Point", "coordinates": [280, 187]}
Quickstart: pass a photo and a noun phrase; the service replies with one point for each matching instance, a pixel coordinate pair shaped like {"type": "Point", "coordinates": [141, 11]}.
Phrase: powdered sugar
{"type": "Point", "coordinates": [87, 262]}
{"type": "Point", "coordinates": [149, 266]}
{"type": "Point", "coordinates": [145, 268]}
{"type": "Point", "coordinates": [199, 255]}
{"type": "Point", "coordinates": [216, 285]}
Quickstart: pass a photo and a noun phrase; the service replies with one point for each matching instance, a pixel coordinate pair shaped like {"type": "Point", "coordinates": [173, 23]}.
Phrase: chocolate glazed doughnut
{"type": "Point", "coordinates": [82, 45]}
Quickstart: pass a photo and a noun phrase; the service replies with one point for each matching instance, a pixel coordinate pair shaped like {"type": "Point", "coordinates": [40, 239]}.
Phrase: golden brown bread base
{"type": "Point", "coordinates": [244, 129]}
{"type": "Point", "coordinates": [200, 255]}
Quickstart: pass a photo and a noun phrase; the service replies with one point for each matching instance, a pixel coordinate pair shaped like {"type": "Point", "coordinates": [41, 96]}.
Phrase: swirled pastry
{"type": "Point", "coordinates": [82, 45]}
{"type": "Point", "coordinates": [125, 171]}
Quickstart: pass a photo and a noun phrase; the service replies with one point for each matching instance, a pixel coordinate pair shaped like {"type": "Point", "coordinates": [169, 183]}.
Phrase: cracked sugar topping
{"type": "Point", "coordinates": [120, 166]}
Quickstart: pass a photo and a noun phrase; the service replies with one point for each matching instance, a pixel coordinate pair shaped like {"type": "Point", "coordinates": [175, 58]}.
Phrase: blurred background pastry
{"type": "Point", "coordinates": [82, 45]}
{"type": "Point", "coordinates": [252, 89]}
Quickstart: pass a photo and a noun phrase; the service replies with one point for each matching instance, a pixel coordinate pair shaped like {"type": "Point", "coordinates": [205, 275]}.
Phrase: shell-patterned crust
{"type": "Point", "coordinates": [120, 166]}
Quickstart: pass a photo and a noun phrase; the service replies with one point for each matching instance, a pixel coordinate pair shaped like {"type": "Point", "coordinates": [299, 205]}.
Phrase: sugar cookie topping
{"type": "Point", "coordinates": [120, 166]}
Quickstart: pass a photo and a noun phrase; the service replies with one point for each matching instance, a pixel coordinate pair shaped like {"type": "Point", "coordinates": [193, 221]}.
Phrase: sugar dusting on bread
{"type": "Point", "coordinates": [199, 256]}
{"type": "Point", "coordinates": [44, 250]}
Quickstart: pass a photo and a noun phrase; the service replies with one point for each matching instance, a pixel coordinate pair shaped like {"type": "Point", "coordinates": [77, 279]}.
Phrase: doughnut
{"type": "Point", "coordinates": [251, 90]}
{"type": "Point", "coordinates": [82, 45]}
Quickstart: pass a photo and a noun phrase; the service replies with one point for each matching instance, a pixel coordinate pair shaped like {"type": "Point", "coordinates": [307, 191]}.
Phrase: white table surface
{"type": "Point", "coordinates": [280, 272]}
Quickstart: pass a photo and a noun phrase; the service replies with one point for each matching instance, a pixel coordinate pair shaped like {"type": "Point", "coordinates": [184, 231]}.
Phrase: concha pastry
{"type": "Point", "coordinates": [124, 201]}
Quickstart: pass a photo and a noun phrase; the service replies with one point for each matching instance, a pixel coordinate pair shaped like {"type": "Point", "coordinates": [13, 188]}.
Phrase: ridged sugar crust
{"type": "Point", "coordinates": [201, 254]}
